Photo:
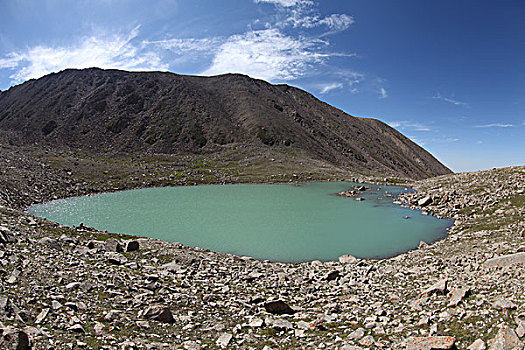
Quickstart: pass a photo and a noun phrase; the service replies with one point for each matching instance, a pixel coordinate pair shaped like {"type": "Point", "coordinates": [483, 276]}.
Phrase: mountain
{"type": "Point", "coordinates": [111, 111]}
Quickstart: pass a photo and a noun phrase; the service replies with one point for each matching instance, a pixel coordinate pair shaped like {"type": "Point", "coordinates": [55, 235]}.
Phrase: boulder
{"type": "Point", "coordinates": [172, 267]}
{"type": "Point", "coordinates": [50, 242]}
{"type": "Point", "coordinates": [115, 258]}
{"type": "Point", "coordinates": [159, 313]}
{"type": "Point", "coordinates": [457, 295]}
{"type": "Point", "coordinates": [132, 246]}
{"type": "Point", "coordinates": [502, 303]}
{"type": "Point", "coordinates": [520, 330]}
{"type": "Point", "coordinates": [477, 345]}
{"type": "Point", "coordinates": [347, 259]}
{"type": "Point", "coordinates": [506, 260]}
{"type": "Point", "coordinates": [331, 276]}
{"type": "Point", "coordinates": [77, 328]}
{"type": "Point", "coordinates": [256, 323]}
{"type": "Point", "coordinates": [506, 339]}
{"type": "Point", "coordinates": [278, 323]}
{"type": "Point", "coordinates": [6, 236]}
{"type": "Point", "coordinates": [278, 307]}
{"type": "Point", "coordinates": [429, 343]}
{"type": "Point", "coordinates": [112, 245]}
{"type": "Point", "coordinates": [423, 202]}
{"type": "Point", "coordinates": [12, 338]}
{"type": "Point", "coordinates": [439, 287]}
{"type": "Point", "coordinates": [224, 340]}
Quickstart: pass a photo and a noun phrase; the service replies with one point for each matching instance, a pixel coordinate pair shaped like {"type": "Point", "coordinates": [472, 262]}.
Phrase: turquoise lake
{"type": "Point", "coordinates": [278, 222]}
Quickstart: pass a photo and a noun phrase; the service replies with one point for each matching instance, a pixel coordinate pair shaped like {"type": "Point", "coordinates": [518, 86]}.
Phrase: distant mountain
{"type": "Point", "coordinates": [111, 111]}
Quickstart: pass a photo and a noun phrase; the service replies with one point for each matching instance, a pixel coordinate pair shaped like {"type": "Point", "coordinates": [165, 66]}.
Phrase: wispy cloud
{"type": "Point", "coordinates": [113, 51]}
{"type": "Point", "coordinates": [449, 100]}
{"type": "Point", "coordinates": [285, 50]}
{"type": "Point", "coordinates": [403, 124]}
{"type": "Point", "coordinates": [286, 3]}
{"type": "Point", "coordinates": [189, 45]}
{"type": "Point", "coordinates": [268, 54]}
{"type": "Point", "coordinates": [324, 88]}
{"type": "Point", "coordinates": [383, 93]}
{"type": "Point", "coordinates": [336, 22]}
{"type": "Point", "coordinates": [304, 14]}
{"type": "Point", "coordinates": [494, 125]}
{"type": "Point", "coordinates": [445, 140]}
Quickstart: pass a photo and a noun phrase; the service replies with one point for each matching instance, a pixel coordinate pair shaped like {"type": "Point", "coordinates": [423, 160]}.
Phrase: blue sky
{"type": "Point", "coordinates": [448, 74]}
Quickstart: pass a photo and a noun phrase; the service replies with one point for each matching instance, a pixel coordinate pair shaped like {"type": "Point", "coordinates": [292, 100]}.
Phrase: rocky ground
{"type": "Point", "coordinates": [69, 288]}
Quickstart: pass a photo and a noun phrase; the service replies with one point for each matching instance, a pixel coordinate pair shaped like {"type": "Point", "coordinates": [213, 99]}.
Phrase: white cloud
{"type": "Point", "coordinates": [115, 51]}
{"type": "Point", "coordinates": [494, 125]}
{"type": "Point", "coordinates": [286, 3]}
{"type": "Point", "coordinates": [324, 88]}
{"type": "Point", "coordinates": [449, 100]}
{"type": "Point", "coordinates": [303, 14]}
{"type": "Point", "coordinates": [337, 22]}
{"type": "Point", "coordinates": [383, 92]}
{"type": "Point", "coordinates": [267, 54]}
{"type": "Point", "coordinates": [10, 61]}
{"type": "Point", "coordinates": [191, 45]}
{"type": "Point", "coordinates": [403, 124]}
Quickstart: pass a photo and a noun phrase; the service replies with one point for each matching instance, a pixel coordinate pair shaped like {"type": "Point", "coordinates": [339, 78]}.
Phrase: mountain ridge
{"type": "Point", "coordinates": [113, 111]}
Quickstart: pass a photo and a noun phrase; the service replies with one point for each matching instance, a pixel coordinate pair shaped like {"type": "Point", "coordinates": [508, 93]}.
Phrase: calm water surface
{"type": "Point", "coordinates": [275, 222]}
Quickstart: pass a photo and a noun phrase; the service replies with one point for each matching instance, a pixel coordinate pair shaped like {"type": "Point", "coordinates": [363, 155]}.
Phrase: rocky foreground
{"type": "Point", "coordinates": [69, 288]}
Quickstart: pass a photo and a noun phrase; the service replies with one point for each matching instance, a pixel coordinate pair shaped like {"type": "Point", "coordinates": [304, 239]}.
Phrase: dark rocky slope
{"type": "Point", "coordinates": [109, 111]}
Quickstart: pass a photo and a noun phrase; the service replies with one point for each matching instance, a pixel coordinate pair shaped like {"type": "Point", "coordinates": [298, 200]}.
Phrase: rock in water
{"type": "Point", "coordinates": [278, 307]}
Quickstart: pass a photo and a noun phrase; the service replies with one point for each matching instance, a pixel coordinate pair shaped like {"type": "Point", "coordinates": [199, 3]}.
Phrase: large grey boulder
{"type": "Point", "coordinates": [506, 339]}
{"type": "Point", "coordinates": [439, 287]}
{"type": "Point", "coordinates": [115, 258]}
{"type": "Point", "coordinates": [506, 260]}
{"type": "Point", "coordinates": [50, 242]}
{"type": "Point", "coordinates": [112, 245]}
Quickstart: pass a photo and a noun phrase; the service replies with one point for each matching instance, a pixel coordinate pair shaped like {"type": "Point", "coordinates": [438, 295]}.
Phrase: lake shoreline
{"type": "Point", "coordinates": [67, 287]}
{"type": "Point", "coordinates": [72, 210]}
